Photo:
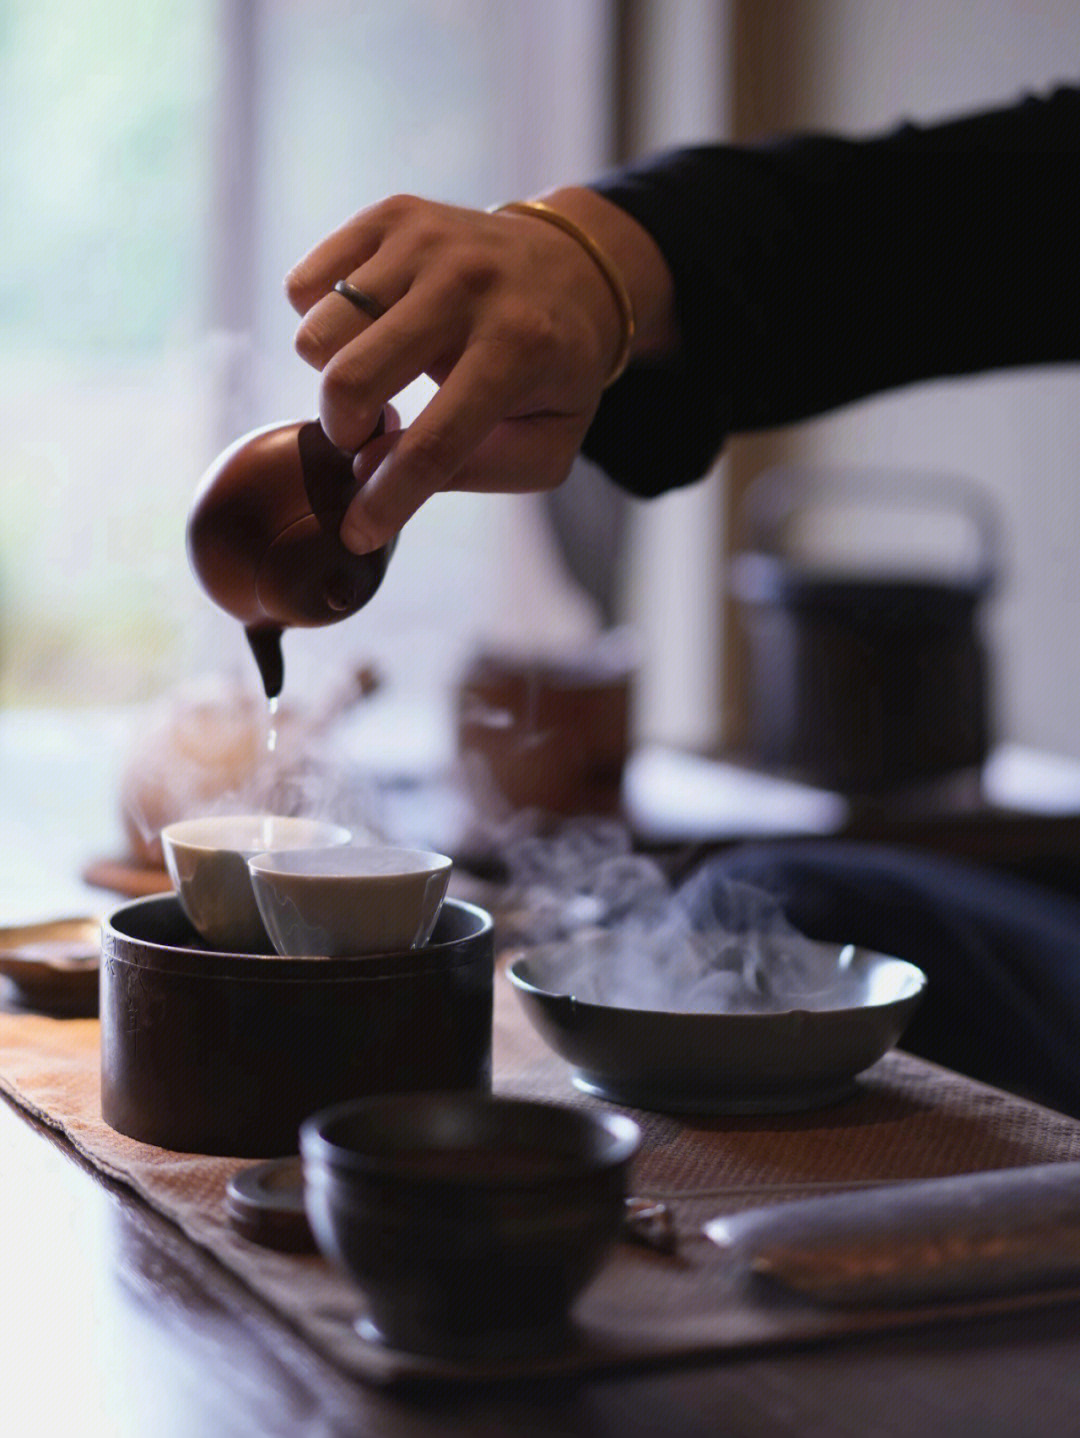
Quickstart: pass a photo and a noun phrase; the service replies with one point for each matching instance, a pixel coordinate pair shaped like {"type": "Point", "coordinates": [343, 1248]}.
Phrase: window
{"type": "Point", "coordinates": [169, 160]}
{"type": "Point", "coordinates": [104, 394]}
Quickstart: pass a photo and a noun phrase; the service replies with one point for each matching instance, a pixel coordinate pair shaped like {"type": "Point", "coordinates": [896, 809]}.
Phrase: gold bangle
{"type": "Point", "coordinates": [540, 211]}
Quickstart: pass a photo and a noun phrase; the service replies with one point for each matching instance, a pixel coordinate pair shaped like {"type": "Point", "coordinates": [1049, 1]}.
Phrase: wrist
{"type": "Point", "coordinates": [637, 258]}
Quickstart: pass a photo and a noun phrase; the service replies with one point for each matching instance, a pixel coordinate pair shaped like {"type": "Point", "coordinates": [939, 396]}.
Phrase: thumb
{"type": "Point", "coordinates": [381, 505]}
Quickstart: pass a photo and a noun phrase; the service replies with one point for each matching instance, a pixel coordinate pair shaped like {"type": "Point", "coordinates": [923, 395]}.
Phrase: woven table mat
{"type": "Point", "coordinates": [907, 1120]}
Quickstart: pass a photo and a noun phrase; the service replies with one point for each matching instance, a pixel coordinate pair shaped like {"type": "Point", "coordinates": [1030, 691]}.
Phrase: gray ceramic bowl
{"type": "Point", "coordinates": [721, 1062]}
{"type": "Point", "coordinates": [470, 1223]}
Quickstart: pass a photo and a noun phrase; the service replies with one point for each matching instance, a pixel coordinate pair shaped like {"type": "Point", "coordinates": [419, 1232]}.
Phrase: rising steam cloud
{"type": "Point", "coordinates": [616, 932]}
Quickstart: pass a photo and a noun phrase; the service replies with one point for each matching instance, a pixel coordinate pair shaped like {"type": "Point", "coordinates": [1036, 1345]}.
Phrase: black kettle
{"type": "Point", "coordinates": [865, 674]}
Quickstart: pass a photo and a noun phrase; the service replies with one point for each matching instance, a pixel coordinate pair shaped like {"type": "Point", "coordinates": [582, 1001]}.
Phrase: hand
{"type": "Point", "coordinates": [510, 316]}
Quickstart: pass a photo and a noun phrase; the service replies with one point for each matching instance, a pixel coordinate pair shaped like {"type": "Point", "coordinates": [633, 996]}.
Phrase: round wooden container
{"type": "Point", "coordinates": [216, 1053]}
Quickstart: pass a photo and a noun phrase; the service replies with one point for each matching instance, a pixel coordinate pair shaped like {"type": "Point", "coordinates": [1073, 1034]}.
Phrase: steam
{"type": "Point", "coordinates": [615, 932]}
{"type": "Point", "coordinates": [614, 929]}
{"type": "Point", "coordinates": [206, 750]}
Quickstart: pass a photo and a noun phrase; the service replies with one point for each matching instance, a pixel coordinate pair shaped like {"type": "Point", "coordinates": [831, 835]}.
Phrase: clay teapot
{"type": "Point", "coordinates": [263, 539]}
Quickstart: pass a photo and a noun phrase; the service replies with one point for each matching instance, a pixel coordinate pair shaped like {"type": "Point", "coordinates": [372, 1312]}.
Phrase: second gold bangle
{"type": "Point", "coordinates": [541, 211]}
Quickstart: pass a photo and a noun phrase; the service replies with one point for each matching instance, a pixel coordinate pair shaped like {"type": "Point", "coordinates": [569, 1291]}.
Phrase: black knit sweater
{"type": "Point", "coordinates": [814, 269]}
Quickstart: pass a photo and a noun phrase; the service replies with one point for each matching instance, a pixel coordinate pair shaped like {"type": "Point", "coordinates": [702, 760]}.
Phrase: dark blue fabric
{"type": "Point", "coordinates": [1001, 954]}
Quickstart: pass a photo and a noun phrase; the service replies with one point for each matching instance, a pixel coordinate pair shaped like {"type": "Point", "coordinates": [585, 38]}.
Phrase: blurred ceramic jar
{"type": "Point", "coordinates": [546, 733]}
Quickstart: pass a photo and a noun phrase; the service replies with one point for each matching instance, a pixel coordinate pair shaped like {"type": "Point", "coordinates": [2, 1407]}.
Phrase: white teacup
{"type": "Point", "coordinates": [207, 862]}
{"type": "Point", "coordinates": [346, 902]}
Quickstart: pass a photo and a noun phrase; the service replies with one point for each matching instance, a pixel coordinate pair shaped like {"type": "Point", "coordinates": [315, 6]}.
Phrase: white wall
{"type": "Point", "coordinates": [674, 585]}
{"type": "Point", "coordinates": [860, 64]}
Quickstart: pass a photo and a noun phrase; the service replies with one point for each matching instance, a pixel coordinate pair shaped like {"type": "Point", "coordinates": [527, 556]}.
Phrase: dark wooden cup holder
{"type": "Point", "coordinates": [218, 1053]}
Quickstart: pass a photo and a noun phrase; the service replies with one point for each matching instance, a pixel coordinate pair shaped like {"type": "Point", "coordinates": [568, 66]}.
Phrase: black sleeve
{"type": "Point", "coordinates": [813, 270]}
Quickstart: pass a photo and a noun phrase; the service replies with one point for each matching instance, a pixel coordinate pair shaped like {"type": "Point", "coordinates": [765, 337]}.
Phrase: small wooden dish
{"type": "Point", "coordinates": [54, 966]}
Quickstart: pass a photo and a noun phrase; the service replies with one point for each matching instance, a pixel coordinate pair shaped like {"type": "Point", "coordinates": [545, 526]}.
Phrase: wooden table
{"type": "Point", "coordinates": [1021, 814]}
{"type": "Point", "coordinates": [113, 1323]}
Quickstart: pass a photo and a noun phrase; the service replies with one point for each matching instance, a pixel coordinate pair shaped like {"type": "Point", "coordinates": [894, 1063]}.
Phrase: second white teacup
{"type": "Point", "coordinates": [348, 902]}
{"type": "Point", "coordinates": [207, 862]}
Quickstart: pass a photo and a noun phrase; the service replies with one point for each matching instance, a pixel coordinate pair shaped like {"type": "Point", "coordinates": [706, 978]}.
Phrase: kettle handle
{"type": "Point", "coordinates": [775, 496]}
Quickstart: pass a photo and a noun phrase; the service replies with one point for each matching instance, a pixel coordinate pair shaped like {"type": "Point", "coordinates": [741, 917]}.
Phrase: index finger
{"type": "Point", "coordinates": [331, 260]}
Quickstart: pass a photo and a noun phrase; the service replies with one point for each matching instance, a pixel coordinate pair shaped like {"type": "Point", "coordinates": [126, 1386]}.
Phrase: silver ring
{"type": "Point", "coordinates": [365, 303]}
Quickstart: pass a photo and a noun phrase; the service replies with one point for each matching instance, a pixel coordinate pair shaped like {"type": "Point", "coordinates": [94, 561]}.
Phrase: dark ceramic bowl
{"type": "Point", "coordinates": [228, 1053]}
{"type": "Point", "coordinates": [470, 1223]}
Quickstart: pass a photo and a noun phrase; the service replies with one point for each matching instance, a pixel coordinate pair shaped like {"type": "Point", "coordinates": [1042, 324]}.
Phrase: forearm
{"type": "Point", "coordinates": [814, 270]}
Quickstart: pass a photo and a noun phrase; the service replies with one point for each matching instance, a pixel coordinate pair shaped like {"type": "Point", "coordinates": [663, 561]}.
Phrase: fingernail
{"type": "Point", "coordinates": [356, 528]}
{"type": "Point", "coordinates": [355, 534]}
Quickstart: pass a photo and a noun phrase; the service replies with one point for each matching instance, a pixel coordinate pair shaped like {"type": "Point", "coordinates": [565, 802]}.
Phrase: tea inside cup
{"type": "Point", "coordinates": [351, 901]}
{"type": "Point", "coordinates": [207, 862]}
